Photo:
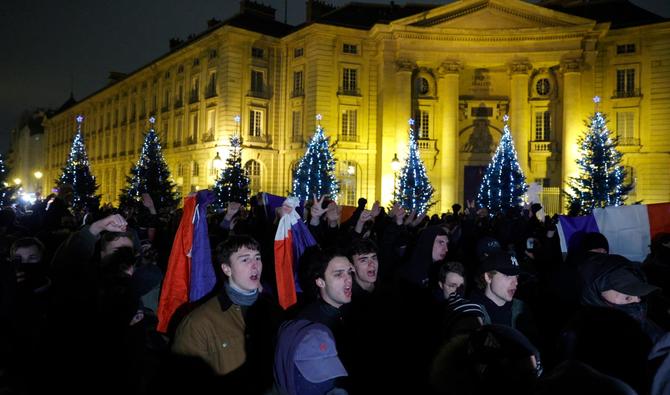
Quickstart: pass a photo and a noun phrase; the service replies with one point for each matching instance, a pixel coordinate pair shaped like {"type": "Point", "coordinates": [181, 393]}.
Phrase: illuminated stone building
{"type": "Point", "coordinates": [367, 68]}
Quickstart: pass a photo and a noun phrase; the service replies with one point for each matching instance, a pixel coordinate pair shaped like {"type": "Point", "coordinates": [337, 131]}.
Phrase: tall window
{"type": "Point", "coordinates": [298, 89]}
{"type": "Point", "coordinates": [625, 127]}
{"type": "Point", "coordinates": [179, 97]}
{"type": "Point", "coordinates": [211, 124]}
{"type": "Point", "coordinates": [347, 175]}
{"type": "Point", "coordinates": [166, 99]}
{"type": "Point", "coordinates": [257, 81]}
{"type": "Point", "coordinates": [195, 88]}
{"type": "Point", "coordinates": [195, 167]}
{"type": "Point", "coordinates": [423, 125]}
{"type": "Point", "coordinates": [625, 83]}
{"type": "Point", "coordinates": [255, 123]}
{"type": "Point", "coordinates": [211, 84]}
{"type": "Point", "coordinates": [193, 133]}
{"type": "Point", "coordinates": [296, 126]}
{"type": "Point", "coordinates": [253, 169]}
{"type": "Point", "coordinates": [164, 132]}
{"type": "Point", "coordinates": [349, 83]}
{"type": "Point", "coordinates": [349, 125]}
{"type": "Point", "coordinates": [542, 126]}
{"type": "Point", "coordinates": [178, 126]}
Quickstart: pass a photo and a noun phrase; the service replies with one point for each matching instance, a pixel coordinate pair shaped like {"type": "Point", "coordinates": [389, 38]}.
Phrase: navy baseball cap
{"type": "Point", "coordinates": [502, 262]}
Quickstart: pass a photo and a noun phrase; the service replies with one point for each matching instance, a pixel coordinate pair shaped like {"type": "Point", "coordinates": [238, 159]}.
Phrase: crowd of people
{"type": "Point", "coordinates": [388, 301]}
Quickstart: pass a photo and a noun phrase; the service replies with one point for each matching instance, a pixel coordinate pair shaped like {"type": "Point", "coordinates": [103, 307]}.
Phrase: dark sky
{"type": "Point", "coordinates": [51, 47]}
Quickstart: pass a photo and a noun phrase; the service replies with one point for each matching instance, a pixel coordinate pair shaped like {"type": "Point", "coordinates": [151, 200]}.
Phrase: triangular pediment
{"type": "Point", "coordinates": [492, 14]}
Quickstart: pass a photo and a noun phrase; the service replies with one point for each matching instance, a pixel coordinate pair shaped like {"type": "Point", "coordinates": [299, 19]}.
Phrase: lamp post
{"type": "Point", "coordinates": [395, 166]}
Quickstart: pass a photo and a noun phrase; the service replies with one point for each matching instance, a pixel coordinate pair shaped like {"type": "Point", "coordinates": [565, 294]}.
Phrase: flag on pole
{"type": "Point", "coordinates": [291, 240]}
{"type": "Point", "coordinates": [190, 274]}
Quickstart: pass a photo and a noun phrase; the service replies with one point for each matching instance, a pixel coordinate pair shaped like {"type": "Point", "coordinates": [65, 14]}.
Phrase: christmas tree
{"type": "Point", "coordinates": [504, 183]}
{"type": "Point", "coordinates": [77, 173]}
{"type": "Point", "coordinates": [601, 177]}
{"type": "Point", "coordinates": [233, 182]}
{"type": "Point", "coordinates": [414, 191]}
{"type": "Point", "coordinates": [315, 173]}
{"type": "Point", "coordinates": [6, 190]}
{"type": "Point", "coordinates": [150, 175]}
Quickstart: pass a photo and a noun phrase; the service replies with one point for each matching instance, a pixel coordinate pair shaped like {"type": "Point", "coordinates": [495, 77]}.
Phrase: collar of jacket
{"type": "Point", "coordinates": [224, 300]}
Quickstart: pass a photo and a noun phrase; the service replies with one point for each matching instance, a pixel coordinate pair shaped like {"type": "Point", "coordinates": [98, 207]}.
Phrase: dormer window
{"type": "Point", "coordinates": [625, 48]}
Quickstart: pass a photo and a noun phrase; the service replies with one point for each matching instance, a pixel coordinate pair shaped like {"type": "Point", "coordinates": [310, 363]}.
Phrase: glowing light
{"type": "Point", "coordinates": [237, 118]}
{"type": "Point", "coordinates": [38, 174]}
{"type": "Point", "coordinates": [596, 99]}
{"type": "Point", "coordinates": [79, 118]}
{"type": "Point", "coordinates": [17, 181]}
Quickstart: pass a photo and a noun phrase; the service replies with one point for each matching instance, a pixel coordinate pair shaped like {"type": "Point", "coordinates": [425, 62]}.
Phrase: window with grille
{"type": "Point", "coordinates": [542, 126]}
{"type": "Point", "coordinates": [349, 118]}
{"type": "Point", "coordinates": [298, 89]}
{"type": "Point", "coordinates": [625, 127]}
{"type": "Point", "coordinates": [423, 125]}
{"type": "Point", "coordinates": [625, 83]}
{"type": "Point", "coordinates": [349, 83]}
{"type": "Point", "coordinates": [255, 123]}
{"type": "Point", "coordinates": [253, 169]}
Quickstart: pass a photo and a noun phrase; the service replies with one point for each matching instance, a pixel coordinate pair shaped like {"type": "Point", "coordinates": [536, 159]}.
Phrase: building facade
{"type": "Point", "coordinates": [456, 68]}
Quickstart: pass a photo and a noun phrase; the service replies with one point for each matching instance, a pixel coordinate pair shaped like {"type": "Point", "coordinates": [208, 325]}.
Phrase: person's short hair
{"type": "Point", "coordinates": [313, 265]}
{"type": "Point", "coordinates": [108, 237]}
{"type": "Point", "coordinates": [480, 280]}
{"type": "Point", "coordinates": [119, 261]}
{"type": "Point", "coordinates": [25, 242]}
{"type": "Point", "coordinates": [362, 246]}
{"type": "Point", "coordinates": [450, 267]}
{"type": "Point", "coordinates": [231, 245]}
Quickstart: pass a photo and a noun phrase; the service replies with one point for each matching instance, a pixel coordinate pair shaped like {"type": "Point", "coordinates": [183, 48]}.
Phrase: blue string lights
{"type": "Point", "coordinates": [504, 183]}
{"type": "Point", "coordinates": [315, 172]}
{"type": "Point", "coordinates": [414, 190]}
{"type": "Point", "coordinates": [601, 179]}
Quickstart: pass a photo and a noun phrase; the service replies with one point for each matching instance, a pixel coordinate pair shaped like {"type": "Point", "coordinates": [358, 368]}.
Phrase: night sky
{"type": "Point", "coordinates": [52, 47]}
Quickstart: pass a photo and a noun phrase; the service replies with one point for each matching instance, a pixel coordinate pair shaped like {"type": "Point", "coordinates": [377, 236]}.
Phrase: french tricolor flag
{"type": "Point", "coordinates": [291, 240]}
{"type": "Point", "coordinates": [629, 229]}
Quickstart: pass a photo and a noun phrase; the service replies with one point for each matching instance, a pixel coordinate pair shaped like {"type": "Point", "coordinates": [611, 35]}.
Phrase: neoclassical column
{"type": "Point", "coordinates": [403, 105]}
{"type": "Point", "coordinates": [572, 120]}
{"type": "Point", "coordinates": [519, 113]}
{"type": "Point", "coordinates": [447, 90]}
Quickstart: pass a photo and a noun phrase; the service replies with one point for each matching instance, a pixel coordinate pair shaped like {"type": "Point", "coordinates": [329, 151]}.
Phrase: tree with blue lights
{"type": "Point", "coordinates": [504, 184]}
{"type": "Point", "coordinates": [7, 191]}
{"type": "Point", "coordinates": [150, 175]}
{"type": "Point", "coordinates": [315, 173]}
{"type": "Point", "coordinates": [77, 173]}
{"type": "Point", "coordinates": [600, 182]}
{"type": "Point", "coordinates": [233, 182]}
{"type": "Point", "coordinates": [414, 190]}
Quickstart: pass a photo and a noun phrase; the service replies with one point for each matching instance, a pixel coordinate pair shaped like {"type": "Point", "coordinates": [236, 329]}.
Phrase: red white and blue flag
{"type": "Point", "coordinates": [628, 229]}
{"type": "Point", "coordinates": [291, 240]}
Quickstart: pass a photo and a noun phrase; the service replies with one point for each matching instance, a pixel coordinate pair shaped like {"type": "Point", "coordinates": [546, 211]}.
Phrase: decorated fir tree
{"type": "Point", "coordinates": [77, 173]}
{"type": "Point", "coordinates": [150, 175]}
{"type": "Point", "coordinates": [504, 184]}
{"type": "Point", "coordinates": [413, 190]}
{"type": "Point", "coordinates": [7, 190]}
{"type": "Point", "coordinates": [315, 173]}
{"type": "Point", "coordinates": [600, 182]}
{"type": "Point", "coordinates": [233, 182]}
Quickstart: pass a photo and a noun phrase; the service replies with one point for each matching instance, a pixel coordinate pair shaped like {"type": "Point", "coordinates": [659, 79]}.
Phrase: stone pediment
{"type": "Point", "coordinates": [492, 15]}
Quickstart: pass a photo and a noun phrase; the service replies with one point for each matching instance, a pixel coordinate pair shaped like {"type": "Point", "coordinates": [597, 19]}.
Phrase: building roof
{"type": "Point", "coordinates": [366, 15]}
{"type": "Point", "coordinates": [621, 13]}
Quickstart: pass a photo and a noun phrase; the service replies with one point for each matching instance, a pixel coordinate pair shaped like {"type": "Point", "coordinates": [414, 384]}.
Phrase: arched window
{"type": "Point", "coordinates": [253, 169]}
{"type": "Point", "coordinates": [347, 173]}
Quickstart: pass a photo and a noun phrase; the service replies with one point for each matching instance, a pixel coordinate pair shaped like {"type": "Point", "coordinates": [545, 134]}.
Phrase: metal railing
{"type": "Point", "coordinates": [621, 93]}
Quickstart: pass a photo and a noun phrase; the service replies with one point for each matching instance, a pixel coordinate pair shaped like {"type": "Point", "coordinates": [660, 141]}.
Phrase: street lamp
{"type": "Point", "coordinates": [217, 162]}
{"type": "Point", "coordinates": [38, 174]}
{"type": "Point", "coordinates": [17, 181]}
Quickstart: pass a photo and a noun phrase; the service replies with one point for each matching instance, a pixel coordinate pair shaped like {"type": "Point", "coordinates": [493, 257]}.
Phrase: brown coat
{"type": "Point", "coordinates": [215, 332]}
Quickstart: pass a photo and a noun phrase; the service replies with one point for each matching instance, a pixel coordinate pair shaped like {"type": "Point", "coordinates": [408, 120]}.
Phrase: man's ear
{"type": "Point", "coordinates": [226, 269]}
{"type": "Point", "coordinates": [320, 283]}
{"type": "Point", "coordinates": [488, 277]}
